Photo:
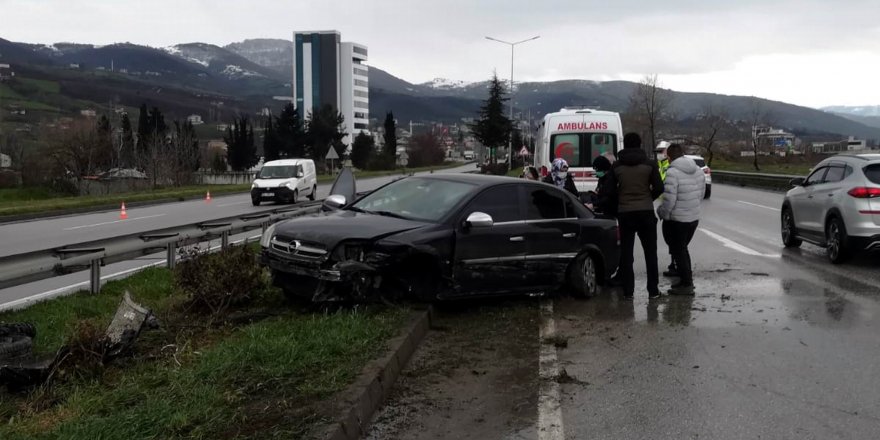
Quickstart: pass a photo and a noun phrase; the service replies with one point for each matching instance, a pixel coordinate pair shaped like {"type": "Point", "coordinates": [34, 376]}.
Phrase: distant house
{"type": "Point", "coordinates": [851, 144]}
{"type": "Point", "coordinates": [195, 120]}
{"type": "Point", "coordinates": [222, 127]}
{"type": "Point", "coordinates": [265, 111]}
{"type": "Point", "coordinates": [5, 72]}
{"type": "Point", "coordinates": [89, 113]}
{"type": "Point", "coordinates": [73, 65]}
{"type": "Point", "coordinates": [5, 161]}
{"type": "Point", "coordinates": [151, 73]}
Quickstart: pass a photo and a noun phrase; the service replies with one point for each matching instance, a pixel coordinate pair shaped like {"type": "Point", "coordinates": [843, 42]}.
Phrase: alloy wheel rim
{"type": "Point", "coordinates": [786, 226]}
{"type": "Point", "coordinates": [589, 274]}
{"type": "Point", "coordinates": [833, 240]}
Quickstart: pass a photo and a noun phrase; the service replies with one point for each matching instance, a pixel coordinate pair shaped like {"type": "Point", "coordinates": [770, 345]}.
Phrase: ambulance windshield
{"type": "Point", "coordinates": [579, 149]}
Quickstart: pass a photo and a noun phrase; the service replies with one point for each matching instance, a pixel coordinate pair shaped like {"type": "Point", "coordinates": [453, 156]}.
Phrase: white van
{"type": "Point", "coordinates": [285, 180]}
{"type": "Point", "coordinates": [578, 135]}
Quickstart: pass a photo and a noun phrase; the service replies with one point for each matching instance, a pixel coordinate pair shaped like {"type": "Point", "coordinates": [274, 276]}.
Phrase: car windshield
{"type": "Point", "coordinates": [415, 198]}
{"type": "Point", "coordinates": [579, 149]}
{"type": "Point", "coordinates": [278, 172]}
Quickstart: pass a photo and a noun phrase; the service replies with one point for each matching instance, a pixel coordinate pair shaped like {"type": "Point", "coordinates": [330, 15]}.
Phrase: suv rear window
{"type": "Point", "coordinates": [700, 162]}
{"type": "Point", "coordinates": [872, 172]}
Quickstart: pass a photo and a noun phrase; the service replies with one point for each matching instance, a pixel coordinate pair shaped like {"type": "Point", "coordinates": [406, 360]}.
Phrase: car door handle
{"type": "Point", "coordinates": [517, 238]}
{"type": "Point", "coordinates": [569, 235]}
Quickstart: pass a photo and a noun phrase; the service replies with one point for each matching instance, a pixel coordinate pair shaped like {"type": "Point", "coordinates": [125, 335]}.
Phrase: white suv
{"type": "Point", "coordinates": [837, 206]}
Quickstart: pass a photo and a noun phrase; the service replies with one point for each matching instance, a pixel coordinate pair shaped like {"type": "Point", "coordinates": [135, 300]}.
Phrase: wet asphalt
{"type": "Point", "coordinates": [776, 344]}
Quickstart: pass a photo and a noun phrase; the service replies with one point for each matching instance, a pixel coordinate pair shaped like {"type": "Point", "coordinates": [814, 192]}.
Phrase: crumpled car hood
{"type": "Point", "coordinates": [332, 227]}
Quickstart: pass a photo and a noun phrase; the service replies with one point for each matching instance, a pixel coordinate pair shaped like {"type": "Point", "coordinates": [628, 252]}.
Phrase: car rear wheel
{"type": "Point", "coordinates": [708, 192]}
{"type": "Point", "coordinates": [584, 276]}
{"type": "Point", "coordinates": [314, 193]}
{"type": "Point", "coordinates": [789, 232]}
{"type": "Point", "coordinates": [837, 245]}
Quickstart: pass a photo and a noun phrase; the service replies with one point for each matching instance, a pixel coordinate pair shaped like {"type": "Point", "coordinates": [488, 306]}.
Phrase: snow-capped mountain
{"type": "Point", "coordinates": [445, 84]}
{"type": "Point", "coordinates": [862, 110]}
{"type": "Point", "coordinates": [218, 60]}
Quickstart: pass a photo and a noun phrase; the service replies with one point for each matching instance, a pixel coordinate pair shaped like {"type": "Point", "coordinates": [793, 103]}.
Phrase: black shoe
{"type": "Point", "coordinates": [654, 295]}
{"type": "Point", "coordinates": [682, 289]}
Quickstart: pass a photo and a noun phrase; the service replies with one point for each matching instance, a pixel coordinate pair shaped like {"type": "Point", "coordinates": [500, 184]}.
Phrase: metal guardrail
{"type": "Point", "coordinates": [758, 180]}
{"type": "Point", "coordinates": [32, 266]}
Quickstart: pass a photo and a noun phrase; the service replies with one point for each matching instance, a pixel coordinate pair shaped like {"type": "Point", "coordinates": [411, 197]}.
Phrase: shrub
{"type": "Point", "coordinates": [216, 282]}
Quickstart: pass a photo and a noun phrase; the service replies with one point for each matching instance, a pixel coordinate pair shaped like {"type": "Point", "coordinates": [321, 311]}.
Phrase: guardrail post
{"type": "Point", "coordinates": [171, 255]}
{"type": "Point", "coordinates": [224, 239]}
{"type": "Point", "coordinates": [95, 276]}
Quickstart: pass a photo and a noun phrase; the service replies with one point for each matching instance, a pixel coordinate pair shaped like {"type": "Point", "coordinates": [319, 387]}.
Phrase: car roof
{"type": "Point", "coordinates": [282, 162]}
{"type": "Point", "coordinates": [474, 179]}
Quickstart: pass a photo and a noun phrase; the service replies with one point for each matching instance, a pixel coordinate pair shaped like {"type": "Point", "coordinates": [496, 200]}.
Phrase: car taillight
{"type": "Point", "coordinates": [544, 171]}
{"type": "Point", "coordinates": [707, 170]}
{"type": "Point", "coordinates": [864, 192]}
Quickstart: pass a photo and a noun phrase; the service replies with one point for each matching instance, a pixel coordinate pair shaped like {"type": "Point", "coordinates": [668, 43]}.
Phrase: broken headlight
{"type": "Point", "coordinates": [350, 251]}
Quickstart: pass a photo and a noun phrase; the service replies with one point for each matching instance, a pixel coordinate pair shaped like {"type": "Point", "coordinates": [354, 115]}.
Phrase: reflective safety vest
{"type": "Point", "coordinates": [664, 166]}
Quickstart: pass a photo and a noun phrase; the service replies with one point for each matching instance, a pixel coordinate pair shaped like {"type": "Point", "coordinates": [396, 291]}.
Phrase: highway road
{"type": "Point", "coordinates": [777, 343]}
{"type": "Point", "coordinates": [48, 233]}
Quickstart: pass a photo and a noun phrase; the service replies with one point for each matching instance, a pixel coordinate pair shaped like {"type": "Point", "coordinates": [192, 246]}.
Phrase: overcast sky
{"type": "Point", "coordinates": [807, 52]}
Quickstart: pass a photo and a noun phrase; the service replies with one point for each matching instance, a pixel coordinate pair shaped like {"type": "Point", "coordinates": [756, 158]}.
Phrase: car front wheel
{"type": "Point", "coordinates": [836, 239]}
{"type": "Point", "coordinates": [789, 232]}
{"type": "Point", "coordinates": [584, 276]}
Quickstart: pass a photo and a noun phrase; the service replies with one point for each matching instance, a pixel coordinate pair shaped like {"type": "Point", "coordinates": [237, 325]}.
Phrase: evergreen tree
{"type": "Point", "coordinates": [325, 129]}
{"type": "Point", "coordinates": [126, 148]}
{"type": "Point", "coordinates": [271, 143]}
{"type": "Point", "coordinates": [143, 133]}
{"type": "Point", "coordinates": [289, 130]}
{"type": "Point", "coordinates": [103, 155]}
{"type": "Point", "coordinates": [361, 150]}
{"type": "Point", "coordinates": [492, 128]}
{"type": "Point", "coordinates": [390, 137]}
{"type": "Point", "coordinates": [186, 154]}
{"type": "Point", "coordinates": [241, 153]}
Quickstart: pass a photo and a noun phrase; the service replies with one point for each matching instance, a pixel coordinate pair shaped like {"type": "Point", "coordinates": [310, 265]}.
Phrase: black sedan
{"type": "Point", "coordinates": [444, 236]}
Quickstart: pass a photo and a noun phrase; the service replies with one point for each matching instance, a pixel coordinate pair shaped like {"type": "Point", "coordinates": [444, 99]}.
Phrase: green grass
{"type": "Point", "coordinates": [795, 166]}
{"type": "Point", "coordinates": [42, 86]}
{"type": "Point", "coordinates": [262, 380]}
{"type": "Point", "coordinates": [29, 201]}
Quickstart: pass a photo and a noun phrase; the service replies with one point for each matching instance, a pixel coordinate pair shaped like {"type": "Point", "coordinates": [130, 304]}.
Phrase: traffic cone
{"type": "Point", "coordinates": [122, 214]}
{"type": "Point", "coordinates": [208, 197]}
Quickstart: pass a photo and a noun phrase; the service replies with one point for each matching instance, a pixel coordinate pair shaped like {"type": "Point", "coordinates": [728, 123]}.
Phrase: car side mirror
{"type": "Point", "coordinates": [798, 181]}
{"type": "Point", "coordinates": [335, 201]}
{"type": "Point", "coordinates": [479, 220]}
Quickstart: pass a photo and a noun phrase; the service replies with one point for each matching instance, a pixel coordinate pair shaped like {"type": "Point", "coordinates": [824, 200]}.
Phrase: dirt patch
{"type": "Point", "coordinates": [474, 376]}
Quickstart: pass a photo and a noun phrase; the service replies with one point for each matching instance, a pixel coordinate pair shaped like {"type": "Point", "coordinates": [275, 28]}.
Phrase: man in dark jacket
{"type": "Point", "coordinates": [638, 183]}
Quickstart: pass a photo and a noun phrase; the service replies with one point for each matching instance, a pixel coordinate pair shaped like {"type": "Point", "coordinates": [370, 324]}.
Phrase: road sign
{"type": "Point", "coordinates": [331, 154]}
{"type": "Point", "coordinates": [524, 151]}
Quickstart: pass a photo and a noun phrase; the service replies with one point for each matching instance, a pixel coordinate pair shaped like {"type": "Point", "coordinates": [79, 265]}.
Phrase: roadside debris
{"type": "Point", "coordinates": [20, 369]}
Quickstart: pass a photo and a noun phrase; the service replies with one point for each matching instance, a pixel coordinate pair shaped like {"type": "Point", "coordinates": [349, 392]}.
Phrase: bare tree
{"type": "Point", "coordinates": [713, 119]}
{"type": "Point", "coordinates": [759, 118]}
{"type": "Point", "coordinates": [649, 106]}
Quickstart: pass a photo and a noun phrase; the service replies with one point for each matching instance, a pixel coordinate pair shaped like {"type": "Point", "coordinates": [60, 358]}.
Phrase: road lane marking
{"type": "Point", "coordinates": [728, 243]}
{"type": "Point", "coordinates": [759, 206]}
{"type": "Point", "coordinates": [30, 300]}
{"type": "Point", "coordinates": [549, 405]}
{"type": "Point", "coordinates": [114, 221]}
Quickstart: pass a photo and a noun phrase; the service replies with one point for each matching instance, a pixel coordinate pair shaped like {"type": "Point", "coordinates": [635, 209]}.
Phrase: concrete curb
{"type": "Point", "coordinates": [374, 385]}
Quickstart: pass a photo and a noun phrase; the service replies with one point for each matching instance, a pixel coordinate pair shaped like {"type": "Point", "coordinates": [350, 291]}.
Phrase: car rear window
{"type": "Point", "coordinates": [700, 162]}
{"type": "Point", "coordinates": [872, 172]}
{"type": "Point", "coordinates": [579, 149]}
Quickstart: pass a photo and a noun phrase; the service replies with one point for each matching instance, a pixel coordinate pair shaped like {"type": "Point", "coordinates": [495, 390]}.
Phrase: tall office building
{"type": "Point", "coordinates": [329, 71]}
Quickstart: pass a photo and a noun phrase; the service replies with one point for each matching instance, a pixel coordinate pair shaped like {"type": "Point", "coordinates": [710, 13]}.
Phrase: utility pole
{"type": "Point", "coordinates": [510, 138]}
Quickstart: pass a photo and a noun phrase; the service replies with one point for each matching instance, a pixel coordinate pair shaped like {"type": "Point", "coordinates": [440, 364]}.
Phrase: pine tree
{"type": "Point", "coordinates": [361, 150]}
{"type": "Point", "coordinates": [271, 144]}
{"type": "Point", "coordinates": [325, 129]}
{"type": "Point", "coordinates": [143, 133]}
{"type": "Point", "coordinates": [290, 134]}
{"type": "Point", "coordinates": [390, 137]}
{"type": "Point", "coordinates": [241, 153]}
{"type": "Point", "coordinates": [492, 129]}
{"type": "Point", "coordinates": [126, 149]}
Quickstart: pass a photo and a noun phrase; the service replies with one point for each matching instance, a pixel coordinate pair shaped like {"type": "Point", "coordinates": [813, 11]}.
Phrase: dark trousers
{"type": "Point", "coordinates": [664, 227]}
{"type": "Point", "coordinates": [680, 236]}
{"type": "Point", "coordinates": [643, 223]}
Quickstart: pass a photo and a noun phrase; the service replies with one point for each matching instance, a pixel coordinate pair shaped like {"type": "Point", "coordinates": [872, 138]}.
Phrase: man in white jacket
{"type": "Point", "coordinates": [682, 194]}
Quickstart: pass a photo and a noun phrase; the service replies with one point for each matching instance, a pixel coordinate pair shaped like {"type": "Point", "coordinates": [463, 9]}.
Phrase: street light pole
{"type": "Point", "coordinates": [510, 137]}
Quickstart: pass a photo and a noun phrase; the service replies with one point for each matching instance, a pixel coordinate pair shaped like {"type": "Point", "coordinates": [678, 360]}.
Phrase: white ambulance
{"type": "Point", "coordinates": [578, 135]}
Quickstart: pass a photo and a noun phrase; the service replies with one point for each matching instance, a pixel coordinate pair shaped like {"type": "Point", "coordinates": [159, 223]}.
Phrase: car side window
{"type": "Point", "coordinates": [544, 203]}
{"type": "Point", "coordinates": [817, 176]}
{"type": "Point", "coordinates": [500, 202]}
{"type": "Point", "coordinates": [834, 174]}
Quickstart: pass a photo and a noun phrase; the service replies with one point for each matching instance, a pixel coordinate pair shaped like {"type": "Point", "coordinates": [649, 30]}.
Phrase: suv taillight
{"type": "Point", "coordinates": [707, 170]}
{"type": "Point", "coordinates": [864, 192]}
